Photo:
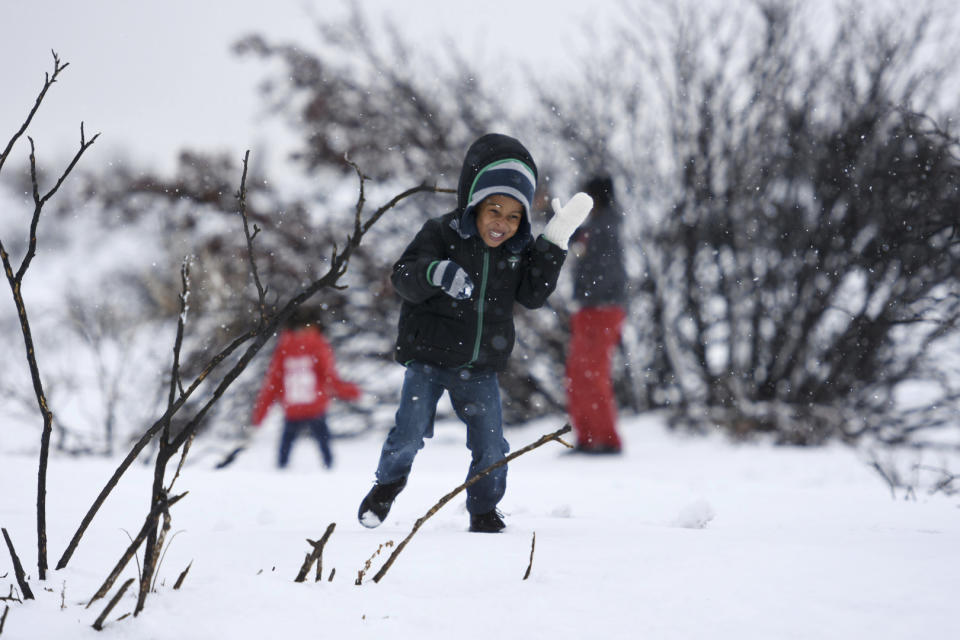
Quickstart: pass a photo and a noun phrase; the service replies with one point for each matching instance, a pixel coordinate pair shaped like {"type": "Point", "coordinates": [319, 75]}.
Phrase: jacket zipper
{"type": "Point", "coordinates": [480, 304]}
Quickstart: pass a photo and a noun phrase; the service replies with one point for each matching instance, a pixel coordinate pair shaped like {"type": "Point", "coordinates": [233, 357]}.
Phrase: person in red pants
{"type": "Point", "coordinates": [302, 377]}
{"type": "Point", "coordinates": [600, 284]}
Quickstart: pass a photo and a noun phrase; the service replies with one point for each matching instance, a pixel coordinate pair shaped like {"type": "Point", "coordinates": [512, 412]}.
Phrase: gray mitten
{"type": "Point", "coordinates": [450, 277]}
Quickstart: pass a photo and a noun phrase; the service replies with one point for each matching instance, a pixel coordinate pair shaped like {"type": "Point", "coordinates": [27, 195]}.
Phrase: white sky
{"type": "Point", "coordinates": [153, 76]}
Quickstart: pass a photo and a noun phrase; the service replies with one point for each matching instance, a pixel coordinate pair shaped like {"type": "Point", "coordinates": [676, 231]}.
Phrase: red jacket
{"type": "Point", "coordinates": [302, 376]}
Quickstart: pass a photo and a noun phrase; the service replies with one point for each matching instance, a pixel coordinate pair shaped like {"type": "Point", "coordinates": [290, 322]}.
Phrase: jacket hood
{"type": "Point", "coordinates": [488, 149]}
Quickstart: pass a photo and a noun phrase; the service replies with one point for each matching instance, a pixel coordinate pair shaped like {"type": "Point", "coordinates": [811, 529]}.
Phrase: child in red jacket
{"type": "Point", "coordinates": [302, 376]}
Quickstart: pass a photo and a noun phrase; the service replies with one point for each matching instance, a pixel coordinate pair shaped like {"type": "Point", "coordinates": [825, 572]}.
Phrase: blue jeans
{"type": "Point", "coordinates": [318, 429]}
{"type": "Point", "coordinates": [475, 397]}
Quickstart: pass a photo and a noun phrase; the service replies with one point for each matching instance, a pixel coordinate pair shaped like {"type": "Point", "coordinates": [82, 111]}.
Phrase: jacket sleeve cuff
{"type": "Point", "coordinates": [545, 245]}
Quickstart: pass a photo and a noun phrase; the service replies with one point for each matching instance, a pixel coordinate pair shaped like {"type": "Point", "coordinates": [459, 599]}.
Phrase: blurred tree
{"type": "Point", "coordinates": [804, 255]}
{"type": "Point", "coordinates": [789, 182]}
{"type": "Point", "coordinates": [363, 93]}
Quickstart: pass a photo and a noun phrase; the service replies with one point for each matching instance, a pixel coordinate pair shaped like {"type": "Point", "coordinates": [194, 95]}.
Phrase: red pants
{"type": "Point", "coordinates": [594, 332]}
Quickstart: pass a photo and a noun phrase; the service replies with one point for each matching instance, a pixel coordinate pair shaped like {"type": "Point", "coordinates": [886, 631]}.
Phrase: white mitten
{"type": "Point", "coordinates": [567, 218]}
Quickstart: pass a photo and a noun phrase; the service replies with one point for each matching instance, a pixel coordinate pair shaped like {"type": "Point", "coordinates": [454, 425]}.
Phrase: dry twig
{"type": "Point", "coordinates": [183, 575]}
{"type": "Point", "coordinates": [369, 563]}
{"type": "Point", "coordinates": [242, 199]}
{"type": "Point", "coordinates": [315, 556]}
{"type": "Point", "coordinates": [15, 279]}
{"type": "Point", "coordinates": [254, 339]}
{"type": "Point", "coordinates": [11, 596]}
{"type": "Point", "coordinates": [98, 624]}
{"type": "Point", "coordinates": [533, 544]}
{"type": "Point", "coordinates": [165, 451]}
{"type": "Point", "coordinates": [18, 568]}
{"type": "Point", "coordinates": [555, 436]}
{"type": "Point", "coordinates": [148, 525]}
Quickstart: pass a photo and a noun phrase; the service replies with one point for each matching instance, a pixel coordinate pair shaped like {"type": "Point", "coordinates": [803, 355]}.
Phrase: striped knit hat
{"type": "Point", "coordinates": [508, 177]}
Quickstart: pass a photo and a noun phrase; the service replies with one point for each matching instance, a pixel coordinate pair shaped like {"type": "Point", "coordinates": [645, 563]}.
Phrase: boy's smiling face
{"type": "Point", "coordinates": [498, 219]}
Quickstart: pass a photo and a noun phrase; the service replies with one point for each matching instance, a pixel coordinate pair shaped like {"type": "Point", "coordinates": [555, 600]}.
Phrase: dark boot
{"type": "Point", "coordinates": [376, 505]}
{"type": "Point", "coordinates": [489, 522]}
{"type": "Point", "coordinates": [598, 449]}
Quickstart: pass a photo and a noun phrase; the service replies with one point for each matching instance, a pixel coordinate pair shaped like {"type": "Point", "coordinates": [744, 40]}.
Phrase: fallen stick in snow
{"type": "Point", "coordinates": [533, 544]}
{"type": "Point", "coordinates": [183, 575]}
{"type": "Point", "coordinates": [98, 623]}
{"type": "Point", "coordinates": [315, 556]}
{"type": "Point", "coordinates": [555, 436]}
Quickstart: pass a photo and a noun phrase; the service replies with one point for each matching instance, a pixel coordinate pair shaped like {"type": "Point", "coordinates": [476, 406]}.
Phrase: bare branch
{"type": "Point", "coordinates": [550, 437]}
{"type": "Point", "coordinates": [369, 563]}
{"type": "Point", "coordinates": [361, 198]}
{"type": "Point", "coordinates": [182, 577]}
{"type": "Point", "coordinates": [183, 459]}
{"type": "Point", "coordinates": [18, 568]}
{"type": "Point", "coordinates": [533, 544]}
{"type": "Point", "coordinates": [98, 624]}
{"type": "Point", "coordinates": [175, 382]}
{"type": "Point", "coordinates": [148, 524]}
{"type": "Point", "coordinates": [39, 201]}
{"type": "Point", "coordinates": [242, 197]}
{"type": "Point", "coordinates": [316, 555]}
{"type": "Point", "coordinates": [13, 594]}
{"type": "Point", "coordinates": [47, 83]}
{"type": "Point", "coordinates": [396, 199]}
{"type": "Point", "coordinates": [15, 281]}
{"type": "Point", "coordinates": [155, 538]}
{"type": "Point", "coordinates": [144, 440]}
{"type": "Point", "coordinates": [154, 544]}
{"type": "Point", "coordinates": [257, 336]}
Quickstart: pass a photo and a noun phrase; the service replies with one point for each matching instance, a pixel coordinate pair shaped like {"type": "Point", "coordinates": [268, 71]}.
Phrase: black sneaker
{"type": "Point", "coordinates": [376, 505]}
{"type": "Point", "coordinates": [489, 522]}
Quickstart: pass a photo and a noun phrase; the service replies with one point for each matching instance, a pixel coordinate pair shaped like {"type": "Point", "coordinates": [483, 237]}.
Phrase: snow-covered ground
{"type": "Point", "coordinates": [681, 537]}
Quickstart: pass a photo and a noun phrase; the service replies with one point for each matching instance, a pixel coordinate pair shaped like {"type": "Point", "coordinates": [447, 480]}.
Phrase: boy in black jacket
{"type": "Point", "coordinates": [459, 279]}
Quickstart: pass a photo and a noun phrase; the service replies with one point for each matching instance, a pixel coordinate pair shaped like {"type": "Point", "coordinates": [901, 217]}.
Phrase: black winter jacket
{"type": "Point", "coordinates": [600, 278]}
{"type": "Point", "coordinates": [477, 332]}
